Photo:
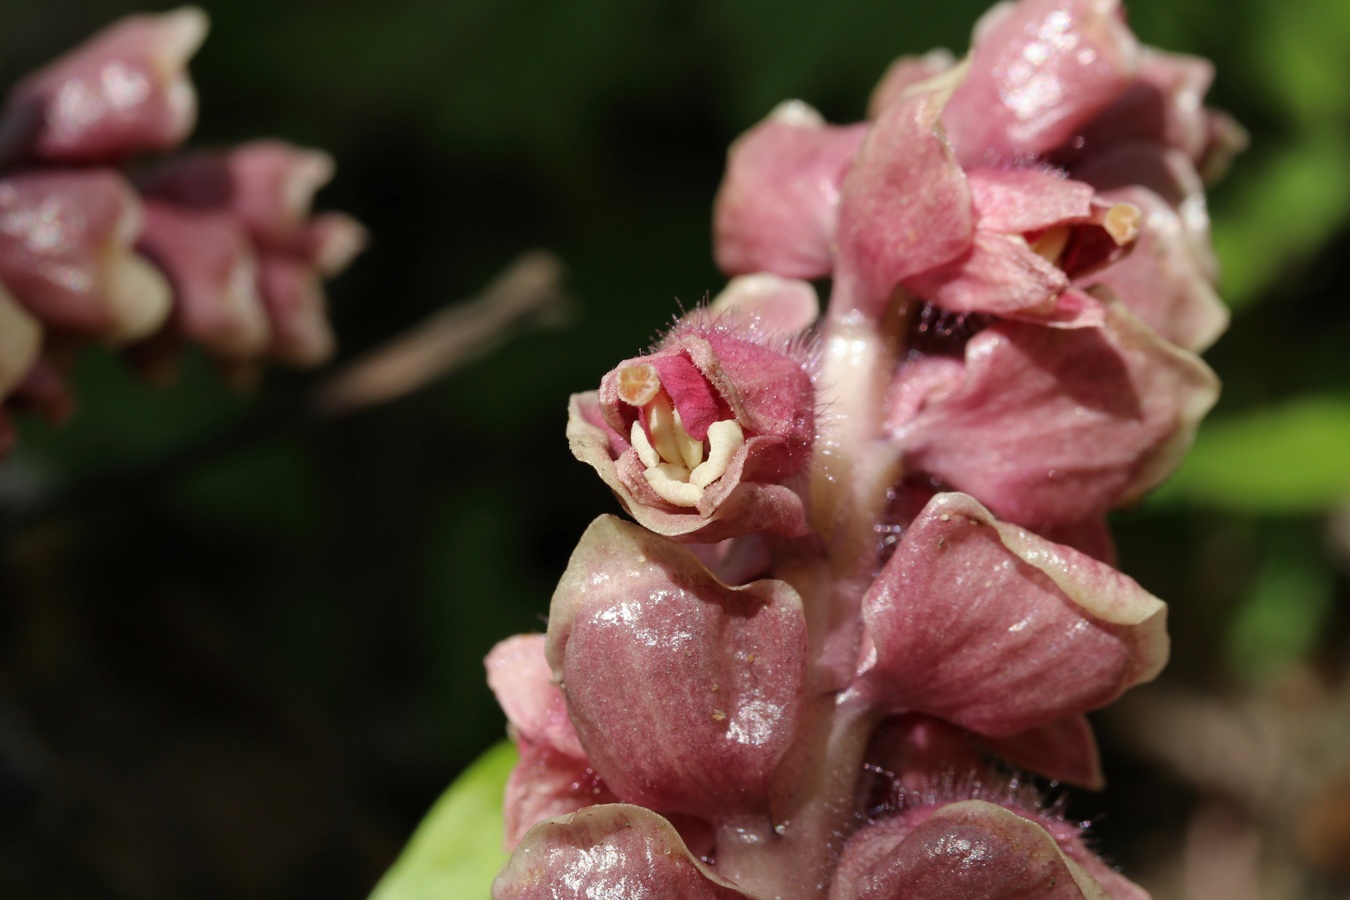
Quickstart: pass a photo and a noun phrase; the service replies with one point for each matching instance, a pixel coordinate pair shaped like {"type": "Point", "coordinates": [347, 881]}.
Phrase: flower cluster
{"type": "Point", "coordinates": [216, 248]}
{"type": "Point", "coordinates": [870, 575]}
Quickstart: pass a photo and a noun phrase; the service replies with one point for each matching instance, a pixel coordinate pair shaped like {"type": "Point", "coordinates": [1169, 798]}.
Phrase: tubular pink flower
{"type": "Point", "coordinates": [66, 253]}
{"type": "Point", "coordinates": [124, 91]}
{"type": "Point", "coordinates": [698, 437]}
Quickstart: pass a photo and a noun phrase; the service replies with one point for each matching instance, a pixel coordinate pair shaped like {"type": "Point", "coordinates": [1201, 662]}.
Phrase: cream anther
{"type": "Point", "coordinates": [724, 439]}
{"type": "Point", "coordinates": [661, 423]}
{"type": "Point", "coordinates": [672, 485]}
{"type": "Point", "coordinates": [1050, 246]}
{"type": "Point", "coordinates": [691, 451]}
{"type": "Point", "coordinates": [1122, 222]}
{"type": "Point", "coordinates": [645, 451]}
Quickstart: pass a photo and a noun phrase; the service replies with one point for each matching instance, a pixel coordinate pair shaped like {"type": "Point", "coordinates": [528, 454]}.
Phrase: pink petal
{"type": "Point", "coordinates": [328, 242]}
{"type": "Point", "coordinates": [1063, 750]}
{"type": "Point", "coordinates": [1161, 280]}
{"type": "Point", "coordinates": [1037, 75]}
{"type": "Point", "coordinates": [521, 680]}
{"type": "Point", "coordinates": [211, 265]}
{"type": "Point", "coordinates": [297, 310]}
{"type": "Point", "coordinates": [66, 253]}
{"type": "Point", "coordinates": [1056, 425]}
{"type": "Point", "coordinates": [969, 849]}
{"type": "Point", "coordinates": [769, 304]}
{"type": "Point", "coordinates": [777, 207]}
{"type": "Point", "coordinates": [684, 691]}
{"type": "Point", "coordinates": [999, 274]}
{"type": "Point", "coordinates": [544, 784]}
{"type": "Point", "coordinates": [907, 74]}
{"type": "Point", "coordinates": [269, 185]}
{"type": "Point", "coordinates": [1165, 105]}
{"type": "Point", "coordinates": [613, 851]}
{"type": "Point", "coordinates": [122, 92]}
{"type": "Point", "coordinates": [906, 207]}
{"type": "Point", "coordinates": [990, 627]}
{"type": "Point", "coordinates": [1017, 201]}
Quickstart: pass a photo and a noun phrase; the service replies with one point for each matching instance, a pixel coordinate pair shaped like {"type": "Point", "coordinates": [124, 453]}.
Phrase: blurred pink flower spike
{"type": "Point", "coordinates": [123, 92]}
{"type": "Point", "coordinates": [683, 691]}
{"type": "Point", "coordinates": [1054, 425]}
{"type": "Point", "coordinates": [995, 629]}
{"type": "Point", "coordinates": [614, 851]}
{"type": "Point", "coordinates": [698, 437]}
{"type": "Point", "coordinates": [974, 848]}
{"type": "Point", "coordinates": [66, 253]}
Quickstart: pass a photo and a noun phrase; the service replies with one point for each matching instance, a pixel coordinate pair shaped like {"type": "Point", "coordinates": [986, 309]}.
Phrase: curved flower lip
{"type": "Point", "coordinates": [990, 627]}
{"type": "Point", "coordinates": [683, 691]}
{"type": "Point", "coordinates": [122, 92]}
{"type": "Point", "coordinates": [1039, 71]}
{"type": "Point", "coordinates": [1049, 425]}
{"type": "Point", "coordinates": [904, 75]}
{"type": "Point", "coordinates": [66, 253]}
{"type": "Point", "coordinates": [972, 848]}
{"type": "Point", "coordinates": [777, 207]}
{"type": "Point", "coordinates": [614, 850]}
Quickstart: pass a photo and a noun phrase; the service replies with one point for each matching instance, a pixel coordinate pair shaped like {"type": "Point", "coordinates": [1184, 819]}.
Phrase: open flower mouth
{"type": "Point", "coordinates": [678, 465]}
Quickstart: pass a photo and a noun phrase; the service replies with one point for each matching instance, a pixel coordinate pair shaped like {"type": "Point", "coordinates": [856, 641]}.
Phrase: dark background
{"type": "Point", "coordinates": [240, 651]}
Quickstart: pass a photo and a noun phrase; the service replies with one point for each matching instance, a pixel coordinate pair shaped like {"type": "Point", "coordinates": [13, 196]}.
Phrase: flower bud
{"type": "Point", "coordinates": [122, 92]}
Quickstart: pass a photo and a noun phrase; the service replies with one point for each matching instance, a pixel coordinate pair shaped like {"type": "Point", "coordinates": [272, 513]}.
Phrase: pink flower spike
{"type": "Point", "coordinates": [297, 310]}
{"type": "Point", "coordinates": [214, 274]}
{"type": "Point", "coordinates": [777, 208]}
{"type": "Point", "coordinates": [683, 691]}
{"type": "Point", "coordinates": [973, 848]}
{"type": "Point", "coordinates": [1058, 425]}
{"type": "Point", "coordinates": [905, 208]}
{"type": "Point", "coordinates": [614, 851]}
{"type": "Point", "coordinates": [269, 185]}
{"type": "Point", "coordinates": [1038, 73]}
{"type": "Point", "coordinates": [122, 92]}
{"type": "Point", "coordinates": [995, 629]}
{"type": "Point", "coordinates": [66, 253]}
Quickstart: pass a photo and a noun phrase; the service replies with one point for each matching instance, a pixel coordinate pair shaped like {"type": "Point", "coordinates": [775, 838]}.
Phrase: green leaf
{"type": "Point", "coordinates": [457, 850]}
{"type": "Point", "coordinates": [1281, 620]}
{"type": "Point", "coordinates": [1289, 460]}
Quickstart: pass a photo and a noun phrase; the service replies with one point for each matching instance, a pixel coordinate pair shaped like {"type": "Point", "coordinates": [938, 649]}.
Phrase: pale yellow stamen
{"type": "Point", "coordinates": [1122, 223]}
{"type": "Point", "coordinates": [724, 439]}
{"type": "Point", "coordinates": [661, 425]}
{"type": "Point", "coordinates": [645, 451]}
{"type": "Point", "coordinates": [671, 483]}
{"type": "Point", "coordinates": [1050, 245]}
{"type": "Point", "coordinates": [691, 451]}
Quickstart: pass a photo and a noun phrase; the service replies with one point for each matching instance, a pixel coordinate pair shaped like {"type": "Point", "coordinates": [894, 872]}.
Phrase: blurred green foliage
{"type": "Point", "coordinates": [311, 602]}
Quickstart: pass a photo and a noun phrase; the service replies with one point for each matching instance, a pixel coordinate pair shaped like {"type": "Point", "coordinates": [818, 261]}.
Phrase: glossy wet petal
{"type": "Point", "coordinates": [683, 691]}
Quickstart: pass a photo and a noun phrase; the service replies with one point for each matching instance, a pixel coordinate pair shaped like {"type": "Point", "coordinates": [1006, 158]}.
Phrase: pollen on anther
{"type": "Point", "coordinates": [639, 383]}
